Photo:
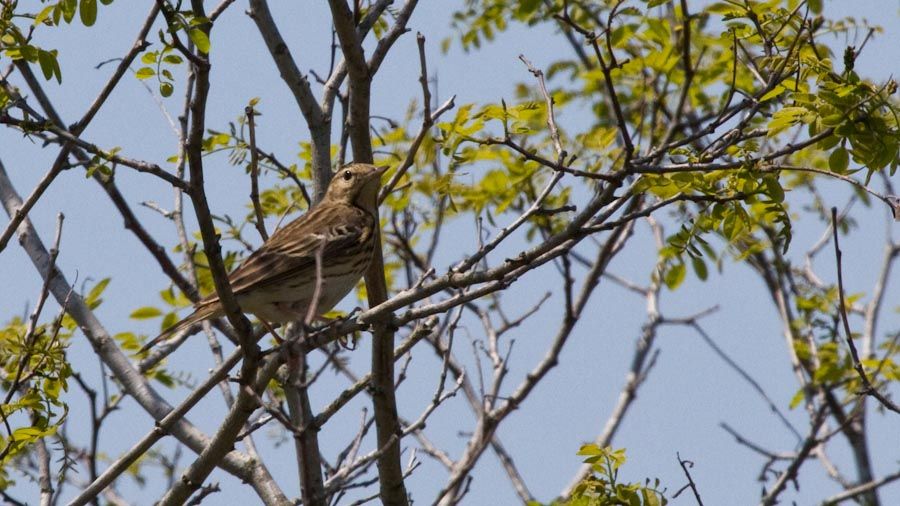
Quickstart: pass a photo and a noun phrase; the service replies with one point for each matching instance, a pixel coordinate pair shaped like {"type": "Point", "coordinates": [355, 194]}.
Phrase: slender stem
{"type": "Point", "coordinates": [254, 174]}
{"type": "Point", "coordinates": [868, 389]}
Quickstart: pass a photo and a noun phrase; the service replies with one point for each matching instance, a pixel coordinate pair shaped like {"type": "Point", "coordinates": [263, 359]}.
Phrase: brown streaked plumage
{"type": "Point", "coordinates": [277, 282]}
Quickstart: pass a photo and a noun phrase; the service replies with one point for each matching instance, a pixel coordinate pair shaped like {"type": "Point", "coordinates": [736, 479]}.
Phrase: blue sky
{"type": "Point", "coordinates": [679, 409]}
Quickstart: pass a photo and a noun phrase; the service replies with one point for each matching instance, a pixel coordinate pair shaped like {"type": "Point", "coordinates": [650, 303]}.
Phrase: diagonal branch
{"type": "Point", "coordinates": [489, 421]}
{"type": "Point", "coordinates": [131, 380]}
{"type": "Point", "coordinates": [162, 429]}
{"type": "Point", "coordinates": [869, 389]}
{"type": "Point", "coordinates": [811, 441]}
{"type": "Point", "coordinates": [21, 212]}
{"type": "Point", "coordinates": [428, 119]}
{"type": "Point", "coordinates": [109, 186]}
{"type": "Point", "coordinates": [319, 123]}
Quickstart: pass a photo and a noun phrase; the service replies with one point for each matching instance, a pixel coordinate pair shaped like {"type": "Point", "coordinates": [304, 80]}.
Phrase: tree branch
{"type": "Point", "coordinates": [868, 389]}
{"type": "Point", "coordinates": [104, 345]}
{"type": "Point", "coordinates": [319, 124]}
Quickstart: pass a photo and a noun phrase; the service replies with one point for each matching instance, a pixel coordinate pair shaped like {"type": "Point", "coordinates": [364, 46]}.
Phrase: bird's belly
{"type": "Point", "coordinates": [291, 303]}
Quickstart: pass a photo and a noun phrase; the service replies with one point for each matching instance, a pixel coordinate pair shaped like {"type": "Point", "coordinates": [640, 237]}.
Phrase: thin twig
{"type": "Point", "coordinates": [391, 185]}
{"type": "Point", "coordinates": [548, 99]}
{"type": "Point", "coordinates": [254, 174]}
{"type": "Point", "coordinates": [685, 464]}
{"type": "Point", "coordinates": [861, 489]}
{"type": "Point", "coordinates": [869, 389]}
{"type": "Point", "coordinates": [811, 441]}
{"type": "Point", "coordinates": [162, 428]}
{"type": "Point", "coordinates": [744, 374]}
{"type": "Point", "coordinates": [22, 211]}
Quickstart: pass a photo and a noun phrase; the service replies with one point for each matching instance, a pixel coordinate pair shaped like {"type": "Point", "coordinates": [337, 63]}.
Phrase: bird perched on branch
{"type": "Point", "coordinates": [278, 282]}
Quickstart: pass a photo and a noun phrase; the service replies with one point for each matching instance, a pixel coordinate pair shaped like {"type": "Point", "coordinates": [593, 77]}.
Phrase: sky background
{"type": "Point", "coordinates": [689, 393]}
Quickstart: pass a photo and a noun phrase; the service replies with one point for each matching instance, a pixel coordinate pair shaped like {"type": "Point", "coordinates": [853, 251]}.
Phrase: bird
{"type": "Point", "coordinates": [278, 281]}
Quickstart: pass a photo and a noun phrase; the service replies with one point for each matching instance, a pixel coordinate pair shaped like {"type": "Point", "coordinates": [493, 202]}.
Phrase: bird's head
{"type": "Point", "coordinates": [357, 184]}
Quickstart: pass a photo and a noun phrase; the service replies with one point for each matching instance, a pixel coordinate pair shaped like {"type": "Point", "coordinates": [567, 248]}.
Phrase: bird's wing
{"type": "Point", "coordinates": [295, 246]}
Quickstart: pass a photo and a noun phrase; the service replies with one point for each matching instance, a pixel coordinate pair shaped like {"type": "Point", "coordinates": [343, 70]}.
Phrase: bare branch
{"type": "Point", "coordinates": [254, 174]}
{"type": "Point", "coordinates": [551, 120]}
{"type": "Point", "coordinates": [44, 467]}
{"type": "Point", "coordinates": [161, 430]}
{"type": "Point", "coordinates": [319, 124]}
{"type": "Point", "coordinates": [133, 383]}
{"type": "Point", "coordinates": [746, 376]}
{"type": "Point", "coordinates": [510, 467]}
{"type": "Point", "coordinates": [488, 422]}
{"type": "Point", "coordinates": [473, 260]}
{"type": "Point", "coordinates": [811, 441]}
{"type": "Point", "coordinates": [20, 213]}
{"type": "Point", "coordinates": [868, 389]}
{"type": "Point", "coordinates": [398, 29]}
{"type": "Point", "coordinates": [685, 464]}
{"type": "Point", "coordinates": [222, 443]}
{"type": "Point", "coordinates": [637, 374]}
{"type": "Point", "coordinates": [428, 120]}
{"type": "Point", "coordinates": [859, 490]}
{"type": "Point", "coordinates": [64, 136]}
{"type": "Point", "coordinates": [408, 162]}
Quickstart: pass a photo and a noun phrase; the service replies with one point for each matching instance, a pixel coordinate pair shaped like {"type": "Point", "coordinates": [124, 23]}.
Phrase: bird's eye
{"type": "Point", "coordinates": [348, 175]}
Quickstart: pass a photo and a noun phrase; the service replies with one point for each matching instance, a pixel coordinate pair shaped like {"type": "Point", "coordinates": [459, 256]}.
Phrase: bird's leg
{"type": "Point", "coordinates": [308, 328]}
{"type": "Point", "coordinates": [347, 342]}
{"type": "Point", "coordinates": [344, 341]}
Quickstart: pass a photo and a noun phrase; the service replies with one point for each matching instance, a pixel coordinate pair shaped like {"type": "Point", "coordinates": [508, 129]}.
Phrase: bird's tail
{"type": "Point", "coordinates": [204, 312]}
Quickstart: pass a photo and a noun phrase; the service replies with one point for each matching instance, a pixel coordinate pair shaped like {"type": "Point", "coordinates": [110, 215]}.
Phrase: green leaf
{"type": "Point", "coordinates": [732, 225]}
{"type": "Point", "coordinates": [44, 15]}
{"type": "Point", "coordinates": [53, 387]}
{"type": "Point", "coordinates": [88, 12]}
{"type": "Point", "coordinates": [796, 399]}
{"type": "Point", "coordinates": [128, 341]}
{"type": "Point", "coordinates": [168, 320]}
{"type": "Point", "coordinates": [28, 434]}
{"type": "Point", "coordinates": [675, 275]}
{"type": "Point", "coordinates": [168, 295]}
{"type": "Point", "coordinates": [164, 378]}
{"type": "Point", "coordinates": [56, 69]}
{"type": "Point", "coordinates": [699, 268]}
{"type": "Point", "coordinates": [785, 118]}
{"type": "Point", "coordinates": [96, 291]}
{"type": "Point", "coordinates": [200, 39]}
{"type": "Point", "coordinates": [656, 3]}
{"type": "Point", "coordinates": [46, 60]}
{"type": "Point", "coordinates": [174, 59]}
{"type": "Point", "coordinates": [774, 92]}
{"type": "Point", "coordinates": [145, 73]}
{"type": "Point", "coordinates": [198, 20]}
{"type": "Point", "coordinates": [166, 89]}
{"type": "Point", "coordinates": [145, 313]}
{"type": "Point", "coordinates": [833, 120]}
{"type": "Point", "coordinates": [527, 7]}
{"type": "Point", "coordinates": [774, 189]}
{"type": "Point", "coordinates": [590, 449]}
{"type": "Point", "coordinates": [839, 160]}
{"type": "Point", "coordinates": [149, 58]}
{"type": "Point", "coordinates": [68, 9]}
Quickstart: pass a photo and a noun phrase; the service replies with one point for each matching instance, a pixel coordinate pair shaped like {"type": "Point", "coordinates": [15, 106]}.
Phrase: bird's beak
{"type": "Point", "coordinates": [375, 175]}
